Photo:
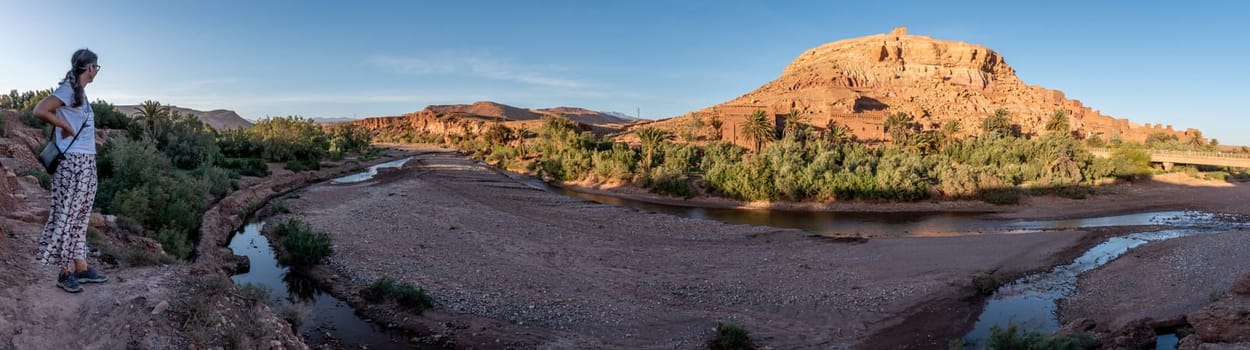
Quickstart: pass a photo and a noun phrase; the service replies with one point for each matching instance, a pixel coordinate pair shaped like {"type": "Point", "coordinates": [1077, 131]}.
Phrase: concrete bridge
{"type": "Point", "coordinates": [1169, 158]}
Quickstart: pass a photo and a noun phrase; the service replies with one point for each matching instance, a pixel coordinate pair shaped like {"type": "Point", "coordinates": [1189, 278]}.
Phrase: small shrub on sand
{"type": "Point", "coordinates": [1014, 338]}
{"type": "Point", "coordinates": [379, 290]}
{"type": "Point", "coordinates": [303, 246]}
{"type": "Point", "coordinates": [411, 297]}
{"type": "Point", "coordinates": [730, 337]}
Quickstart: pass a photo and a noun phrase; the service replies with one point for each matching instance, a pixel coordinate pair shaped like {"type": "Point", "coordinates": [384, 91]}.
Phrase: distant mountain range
{"type": "Point", "coordinates": [219, 119]}
{"type": "Point", "coordinates": [490, 109]}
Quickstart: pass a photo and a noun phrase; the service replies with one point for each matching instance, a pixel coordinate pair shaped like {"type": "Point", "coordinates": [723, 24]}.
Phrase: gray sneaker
{"type": "Point", "coordinates": [90, 276]}
{"type": "Point", "coordinates": [69, 282]}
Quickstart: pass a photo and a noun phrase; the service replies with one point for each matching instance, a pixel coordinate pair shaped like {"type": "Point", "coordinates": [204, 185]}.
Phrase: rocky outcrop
{"type": "Point", "coordinates": [425, 123]}
{"type": "Point", "coordinates": [1139, 334]}
{"type": "Point", "coordinates": [486, 109]}
{"type": "Point", "coordinates": [857, 83]}
{"type": "Point", "coordinates": [586, 116]}
{"type": "Point", "coordinates": [476, 118]}
{"type": "Point", "coordinates": [21, 198]}
{"type": "Point", "coordinates": [1225, 321]}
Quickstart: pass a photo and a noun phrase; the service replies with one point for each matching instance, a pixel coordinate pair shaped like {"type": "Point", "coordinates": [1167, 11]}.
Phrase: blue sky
{"type": "Point", "coordinates": [1149, 61]}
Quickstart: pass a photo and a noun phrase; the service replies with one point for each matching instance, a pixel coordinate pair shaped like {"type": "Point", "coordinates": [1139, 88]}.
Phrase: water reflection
{"type": "Point", "coordinates": [371, 172]}
{"type": "Point", "coordinates": [328, 316]}
{"type": "Point", "coordinates": [885, 224]}
{"type": "Point", "coordinates": [1030, 302]}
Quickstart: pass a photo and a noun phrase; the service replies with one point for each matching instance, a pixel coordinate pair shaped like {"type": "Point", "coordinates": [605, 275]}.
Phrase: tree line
{"type": "Point", "coordinates": [998, 164]}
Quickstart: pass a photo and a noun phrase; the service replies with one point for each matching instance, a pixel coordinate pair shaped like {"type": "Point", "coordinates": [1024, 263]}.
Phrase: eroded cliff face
{"type": "Point", "coordinates": [858, 82]}
{"type": "Point", "coordinates": [425, 123]}
{"type": "Point", "coordinates": [477, 117]}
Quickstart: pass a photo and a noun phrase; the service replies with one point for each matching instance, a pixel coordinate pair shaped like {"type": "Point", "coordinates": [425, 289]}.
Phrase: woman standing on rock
{"type": "Point", "coordinates": [64, 239]}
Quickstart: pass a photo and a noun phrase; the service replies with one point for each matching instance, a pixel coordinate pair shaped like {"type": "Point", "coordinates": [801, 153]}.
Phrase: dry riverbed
{"type": "Point", "coordinates": [537, 269]}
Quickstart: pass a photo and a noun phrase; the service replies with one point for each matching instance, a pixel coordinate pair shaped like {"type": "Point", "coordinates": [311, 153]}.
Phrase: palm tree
{"type": "Point", "coordinates": [900, 126]}
{"type": "Point", "coordinates": [152, 113]}
{"type": "Point", "coordinates": [923, 143]}
{"type": "Point", "coordinates": [757, 128]}
{"type": "Point", "coordinates": [796, 125]}
{"type": "Point", "coordinates": [1058, 123]}
{"type": "Point", "coordinates": [997, 125]}
{"type": "Point", "coordinates": [651, 139]}
{"type": "Point", "coordinates": [949, 130]}
{"type": "Point", "coordinates": [838, 134]}
{"type": "Point", "coordinates": [716, 126]}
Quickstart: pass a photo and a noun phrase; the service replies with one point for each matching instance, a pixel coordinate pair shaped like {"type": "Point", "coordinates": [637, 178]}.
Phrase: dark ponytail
{"type": "Point", "coordinates": [79, 63]}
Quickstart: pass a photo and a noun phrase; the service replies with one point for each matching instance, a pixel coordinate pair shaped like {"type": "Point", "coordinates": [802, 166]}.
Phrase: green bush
{"type": "Point", "coordinates": [168, 203]}
{"type": "Point", "coordinates": [298, 165]}
{"type": "Point", "coordinates": [238, 143]}
{"type": "Point", "coordinates": [289, 138]}
{"type": "Point", "coordinates": [668, 182]}
{"type": "Point", "coordinates": [25, 106]}
{"type": "Point", "coordinates": [303, 246]}
{"type": "Point", "coordinates": [108, 117]}
{"type": "Point", "coordinates": [347, 138]}
{"type": "Point", "coordinates": [751, 179]}
{"type": "Point", "coordinates": [730, 337]}
{"type": "Point", "coordinates": [246, 166]}
{"type": "Point", "coordinates": [188, 143]}
{"type": "Point", "coordinates": [501, 155]}
{"type": "Point", "coordinates": [215, 181]}
{"type": "Point", "coordinates": [138, 181]}
{"type": "Point", "coordinates": [1014, 338]}
{"type": "Point", "coordinates": [379, 290]}
{"type": "Point", "coordinates": [412, 298]}
{"type": "Point", "coordinates": [45, 180]}
{"type": "Point", "coordinates": [176, 244]}
{"type": "Point", "coordinates": [1130, 161]}
{"type": "Point", "coordinates": [615, 164]}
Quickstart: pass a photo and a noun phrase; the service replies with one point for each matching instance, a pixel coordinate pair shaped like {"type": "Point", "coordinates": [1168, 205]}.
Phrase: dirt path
{"type": "Point", "coordinates": [38, 315]}
{"type": "Point", "coordinates": [587, 274]}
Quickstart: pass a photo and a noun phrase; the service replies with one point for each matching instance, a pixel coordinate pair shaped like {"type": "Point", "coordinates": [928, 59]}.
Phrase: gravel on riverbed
{"type": "Point", "coordinates": [487, 246]}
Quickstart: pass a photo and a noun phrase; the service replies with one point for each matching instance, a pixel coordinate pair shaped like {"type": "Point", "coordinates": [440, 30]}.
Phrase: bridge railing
{"type": "Point", "coordinates": [1196, 154]}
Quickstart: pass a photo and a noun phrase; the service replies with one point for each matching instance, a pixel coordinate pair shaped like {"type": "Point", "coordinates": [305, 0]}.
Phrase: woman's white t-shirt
{"type": "Point", "coordinates": [75, 117]}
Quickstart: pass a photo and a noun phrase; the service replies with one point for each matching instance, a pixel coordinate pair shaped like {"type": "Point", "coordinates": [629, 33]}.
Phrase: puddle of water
{"type": "Point", "coordinates": [327, 314]}
{"type": "Point", "coordinates": [1166, 342]}
{"type": "Point", "coordinates": [1029, 302]}
{"type": "Point", "coordinates": [1172, 218]}
{"type": "Point", "coordinates": [369, 174]}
